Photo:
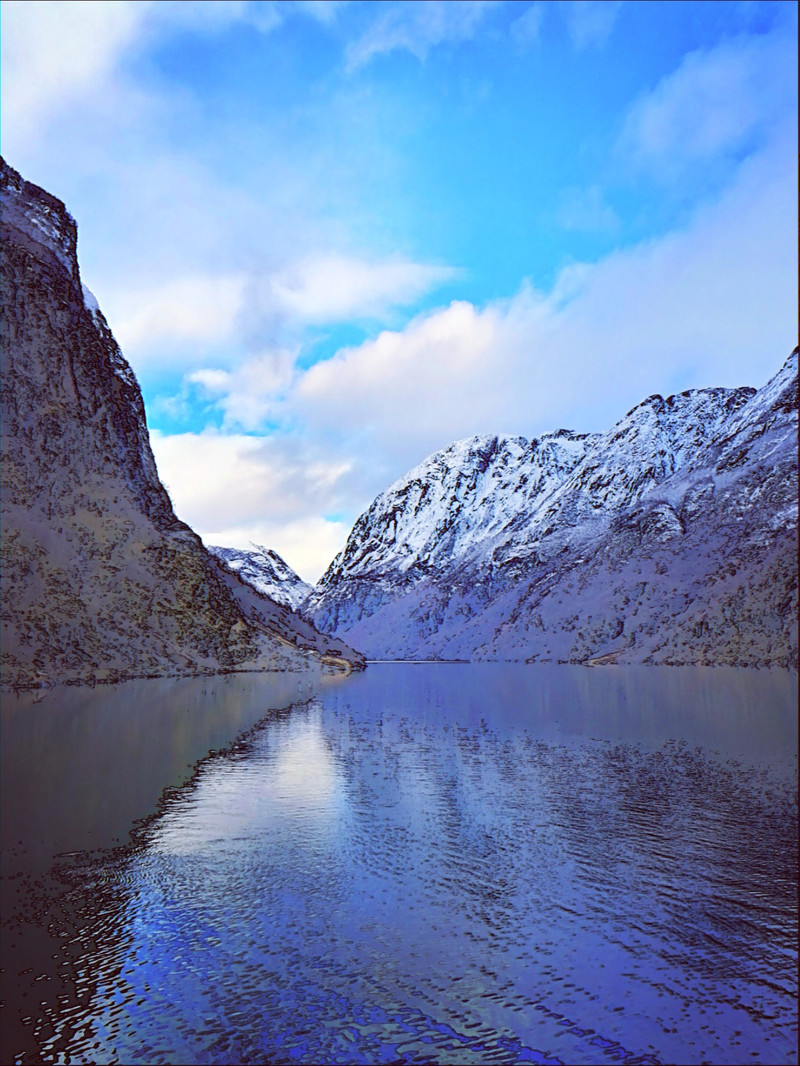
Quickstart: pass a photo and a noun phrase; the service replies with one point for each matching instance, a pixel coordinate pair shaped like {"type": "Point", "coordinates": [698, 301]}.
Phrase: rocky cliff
{"type": "Point", "coordinates": [100, 580]}
{"type": "Point", "coordinates": [672, 538]}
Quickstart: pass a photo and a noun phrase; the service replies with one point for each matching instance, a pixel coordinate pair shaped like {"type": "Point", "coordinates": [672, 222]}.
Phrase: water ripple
{"type": "Point", "coordinates": [349, 883]}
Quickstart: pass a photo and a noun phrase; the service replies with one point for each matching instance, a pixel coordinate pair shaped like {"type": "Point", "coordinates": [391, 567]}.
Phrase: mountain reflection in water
{"type": "Point", "coordinates": [439, 863]}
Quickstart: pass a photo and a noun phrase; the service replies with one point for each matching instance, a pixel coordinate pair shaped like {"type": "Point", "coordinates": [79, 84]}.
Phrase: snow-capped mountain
{"type": "Point", "coordinates": [672, 537]}
{"type": "Point", "coordinates": [100, 580]}
{"type": "Point", "coordinates": [267, 573]}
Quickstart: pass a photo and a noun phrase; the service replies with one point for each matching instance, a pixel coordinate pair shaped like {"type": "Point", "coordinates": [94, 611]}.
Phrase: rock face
{"type": "Point", "coordinates": [672, 538]}
{"type": "Point", "coordinates": [100, 580]}
{"type": "Point", "coordinates": [267, 573]}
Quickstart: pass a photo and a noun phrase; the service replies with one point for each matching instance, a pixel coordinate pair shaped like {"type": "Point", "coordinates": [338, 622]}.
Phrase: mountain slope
{"type": "Point", "coordinates": [670, 538]}
{"type": "Point", "coordinates": [266, 572]}
{"type": "Point", "coordinates": [100, 580]}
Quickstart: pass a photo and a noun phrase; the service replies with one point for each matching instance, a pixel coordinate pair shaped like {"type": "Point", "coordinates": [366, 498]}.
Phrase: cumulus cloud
{"type": "Point", "coordinates": [405, 384]}
{"type": "Point", "coordinates": [719, 101]}
{"type": "Point", "coordinates": [711, 304]}
{"type": "Point", "coordinates": [251, 392]}
{"type": "Point", "coordinates": [417, 28]}
{"type": "Point", "coordinates": [180, 319]}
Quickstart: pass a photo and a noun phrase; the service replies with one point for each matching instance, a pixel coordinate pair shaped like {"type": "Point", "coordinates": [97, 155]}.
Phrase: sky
{"type": "Point", "coordinates": [334, 237]}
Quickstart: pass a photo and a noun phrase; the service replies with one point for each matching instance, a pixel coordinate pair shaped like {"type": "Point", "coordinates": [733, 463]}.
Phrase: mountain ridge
{"type": "Point", "coordinates": [267, 572]}
{"type": "Point", "coordinates": [495, 547]}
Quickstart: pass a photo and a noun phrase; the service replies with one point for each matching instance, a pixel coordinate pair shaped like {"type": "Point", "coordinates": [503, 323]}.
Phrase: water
{"type": "Point", "coordinates": [438, 863]}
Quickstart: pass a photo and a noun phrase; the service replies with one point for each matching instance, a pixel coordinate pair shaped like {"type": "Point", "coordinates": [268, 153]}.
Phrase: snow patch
{"type": "Point", "coordinates": [89, 299]}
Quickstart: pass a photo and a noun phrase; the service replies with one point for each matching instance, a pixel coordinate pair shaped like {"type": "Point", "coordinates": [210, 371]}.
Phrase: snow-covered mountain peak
{"type": "Point", "coordinates": [481, 494]}
{"type": "Point", "coordinates": [457, 503]}
{"type": "Point", "coordinates": [758, 426]}
{"type": "Point", "coordinates": [671, 538]}
{"type": "Point", "coordinates": [266, 572]}
{"type": "Point", "coordinates": [651, 442]}
{"type": "Point", "coordinates": [776, 399]}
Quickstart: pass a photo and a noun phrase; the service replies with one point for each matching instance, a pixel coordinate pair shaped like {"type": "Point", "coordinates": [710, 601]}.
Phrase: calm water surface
{"type": "Point", "coordinates": [438, 863]}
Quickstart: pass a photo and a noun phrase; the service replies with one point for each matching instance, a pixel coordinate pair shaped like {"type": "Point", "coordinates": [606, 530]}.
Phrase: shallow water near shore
{"type": "Point", "coordinates": [424, 863]}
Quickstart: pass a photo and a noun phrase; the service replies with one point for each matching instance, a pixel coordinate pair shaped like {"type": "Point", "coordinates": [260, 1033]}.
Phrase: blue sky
{"type": "Point", "coordinates": [333, 237]}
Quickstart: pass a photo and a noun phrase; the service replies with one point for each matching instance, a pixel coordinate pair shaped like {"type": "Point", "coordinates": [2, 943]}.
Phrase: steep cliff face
{"type": "Point", "coordinates": [670, 538]}
{"type": "Point", "coordinates": [100, 580]}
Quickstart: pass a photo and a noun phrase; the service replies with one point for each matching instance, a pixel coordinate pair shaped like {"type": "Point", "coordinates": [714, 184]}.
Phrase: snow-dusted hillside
{"type": "Point", "coordinates": [267, 573]}
{"type": "Point", "coordinates": [672, 538]}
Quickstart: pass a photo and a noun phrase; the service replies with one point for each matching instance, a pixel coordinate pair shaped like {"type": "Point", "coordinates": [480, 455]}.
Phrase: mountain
{"type": "Point", "coordinates": [671, 538]}
{"type": "Point", "coordinates": [100, 580]}
{"type": "Point", "coordinates": [266, 572]}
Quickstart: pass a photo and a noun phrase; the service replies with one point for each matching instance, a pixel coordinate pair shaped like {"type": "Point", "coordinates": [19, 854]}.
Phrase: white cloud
{"type": "Point", "coordinates": [712, 304]}
{"type": "Point", "coordinates": [57, 52]}
{"type": "Point", "coordinates": [417, 27]}
{"type": "Point", "coordinates": [235, 489]}
{"type": "Point", "coordinates": [308, 545]}
{"type": "Point", "coordinates": [212, 381]}
{"type": "Point", "coordinates": [187, 320]}
{"type": "Point", "coordinates": [590, 22]}
{"type": "Point", "coordinates": [404, 387]}
{"type": "Point", "coordinates": [716, 103]}
{"type": "Point", "coordinates": [324, 11]}
{"type": "Point", "coordinates": [154, 214]}
{"type": "Point", "coordinates": [194, 266]}
{"type": "Point", "coordinates": [251, 392]}
{"type": "Point", "coordinates": [333, 287]}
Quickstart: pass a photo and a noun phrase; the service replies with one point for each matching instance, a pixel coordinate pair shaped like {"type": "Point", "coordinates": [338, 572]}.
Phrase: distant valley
{"type": "Point", "coordinates": [671, 538]}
